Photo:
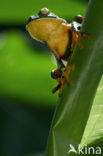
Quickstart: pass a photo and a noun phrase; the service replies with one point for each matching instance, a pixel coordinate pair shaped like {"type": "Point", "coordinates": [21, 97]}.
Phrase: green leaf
{"type": "Point", "coordinates": [74, 106]}
{"type": "Point", "coordinates": [93, 134]}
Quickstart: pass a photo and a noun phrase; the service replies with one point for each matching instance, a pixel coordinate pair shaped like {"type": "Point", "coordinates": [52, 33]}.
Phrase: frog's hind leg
{"type": "Point", "coordinates": [67, 72]}
{"type": "Point", "coordinates": [62, 86]}
{"type": "Point", "coordinates": [56, 88]}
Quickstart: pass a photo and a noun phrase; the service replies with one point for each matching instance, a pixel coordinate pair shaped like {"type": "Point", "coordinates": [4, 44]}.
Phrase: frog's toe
{"type": "Point", "coordinates": [85, 35]}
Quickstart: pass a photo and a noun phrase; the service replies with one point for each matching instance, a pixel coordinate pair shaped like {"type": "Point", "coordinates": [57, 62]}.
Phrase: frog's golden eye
{"type": "Point", "coordinates": [44, 11]}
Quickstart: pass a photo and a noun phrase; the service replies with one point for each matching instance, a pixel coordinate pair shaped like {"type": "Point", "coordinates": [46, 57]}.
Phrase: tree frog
{"type": "Point", "coordinates": [61, 38]}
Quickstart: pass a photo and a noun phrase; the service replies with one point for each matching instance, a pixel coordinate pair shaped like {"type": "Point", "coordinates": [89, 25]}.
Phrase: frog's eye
{"type": "Point", "coordinates": [44, 11]}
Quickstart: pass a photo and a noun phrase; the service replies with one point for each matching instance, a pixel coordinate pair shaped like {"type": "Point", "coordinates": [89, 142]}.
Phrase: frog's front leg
{"type": "Point", "coordinates": [77, 34]}
{"type": "Point", "coordinates": [77, 37]}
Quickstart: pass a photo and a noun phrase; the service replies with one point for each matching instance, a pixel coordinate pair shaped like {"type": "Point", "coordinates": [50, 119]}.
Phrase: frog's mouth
{"type": "Point", "coordinates": [35, 17]}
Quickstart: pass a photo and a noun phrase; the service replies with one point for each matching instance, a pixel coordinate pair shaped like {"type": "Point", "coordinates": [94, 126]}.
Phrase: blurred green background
{"type": "Point", "coordinates": [26, 101]}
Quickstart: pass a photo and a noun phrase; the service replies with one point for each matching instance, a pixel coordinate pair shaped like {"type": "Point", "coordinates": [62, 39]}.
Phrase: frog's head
{"type": "Point", "coordinates": [43, 13]}
{"type": "Point", "coordinates": [41, 25]}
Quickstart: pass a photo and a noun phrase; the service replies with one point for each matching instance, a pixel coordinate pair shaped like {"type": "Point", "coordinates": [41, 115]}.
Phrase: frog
{"type": "Point", "coordinates": [61, 37]}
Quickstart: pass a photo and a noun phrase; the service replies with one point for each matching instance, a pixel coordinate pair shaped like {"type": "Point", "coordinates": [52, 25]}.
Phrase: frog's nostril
{"type": "Point", "coordinates": [29, 19]}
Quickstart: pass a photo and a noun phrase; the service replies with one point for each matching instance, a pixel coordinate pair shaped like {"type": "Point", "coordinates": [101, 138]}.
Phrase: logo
{"type": "Point", "coordinates": [84, 150]}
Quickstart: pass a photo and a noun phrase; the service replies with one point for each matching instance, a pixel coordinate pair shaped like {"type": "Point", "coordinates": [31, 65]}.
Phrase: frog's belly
{"type": "Point", "coordinates": [58, 43]}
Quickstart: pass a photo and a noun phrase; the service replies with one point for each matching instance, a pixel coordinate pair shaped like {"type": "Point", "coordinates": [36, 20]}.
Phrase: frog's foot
{"type": "Point", "coordinates": [85, 35]}
{"type": "Point", "coordinates": [56, 88]}
{"type": "Point", "coordinates": [77, 36]}
{"type": "Point", "coordinates": [58, 85]}
{"type": "Point", "coordinates": [67, 72]}
{"type": "Point", "coordinates": [62, 86]}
